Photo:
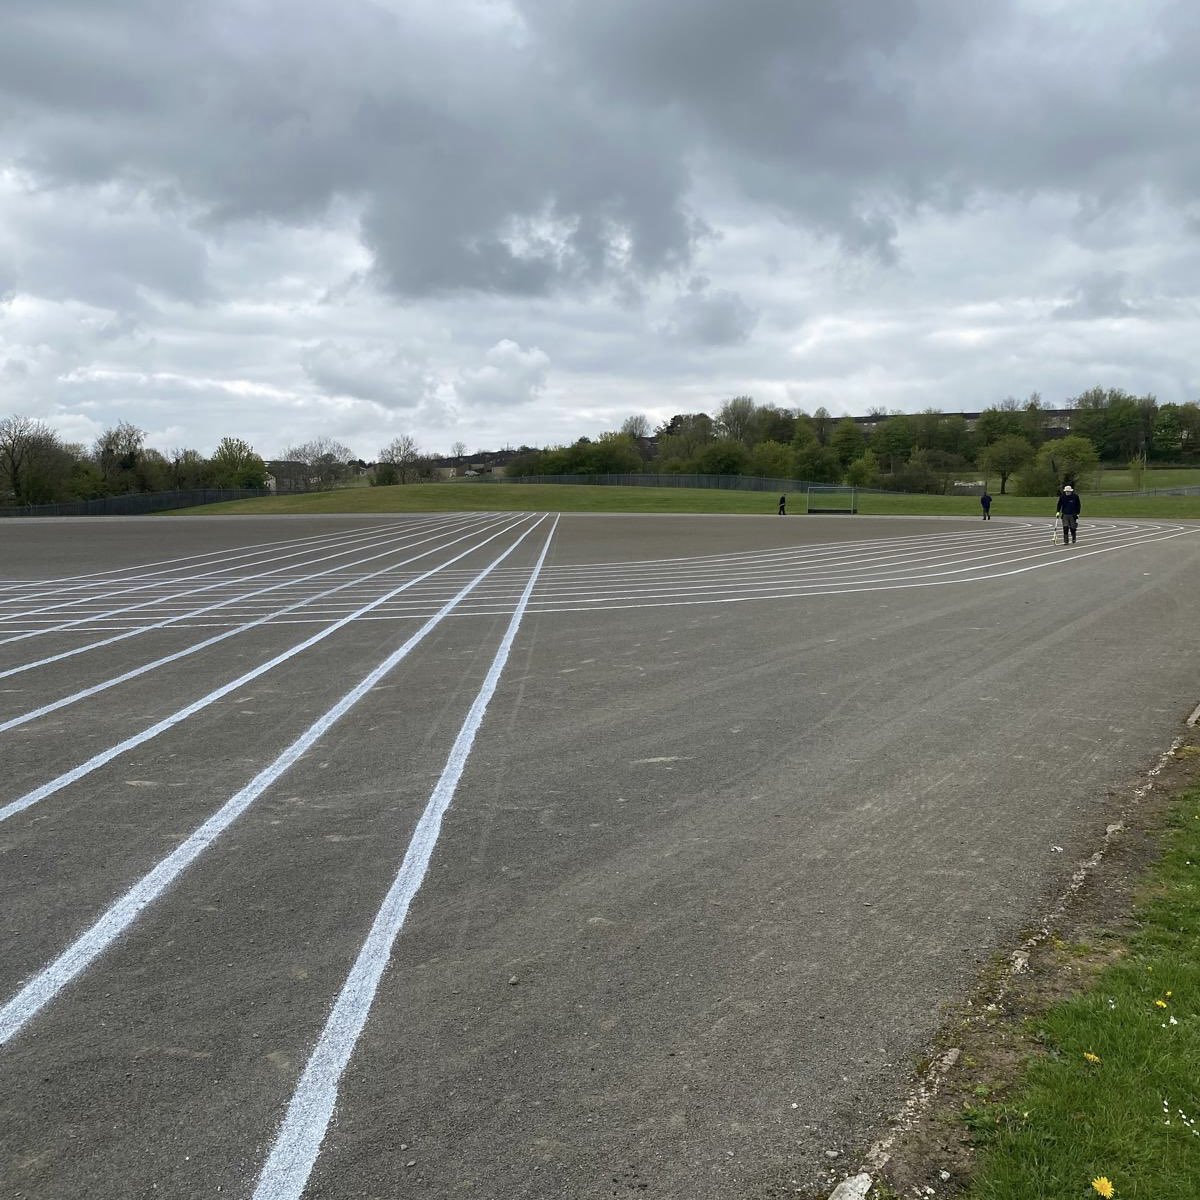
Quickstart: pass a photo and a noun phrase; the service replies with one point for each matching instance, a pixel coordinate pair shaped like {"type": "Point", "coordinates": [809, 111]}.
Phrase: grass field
{"type": "Point", "coordinates": [474, 497]}
{"type": "Point", "coordinates": [1114, 1093]}
{"type": "Point", "coordinates": [1123, 481]}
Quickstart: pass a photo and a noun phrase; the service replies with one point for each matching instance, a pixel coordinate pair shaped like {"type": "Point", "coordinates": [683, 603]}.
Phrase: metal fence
{"type": "Point", "coordinates": [1183, 490]}
{"type": "Point", "coordinates": [133, 503]}
{"type": "Point", "coordinates": [735, 483]}
{"type": "Point", "coordinates": [759, 483]}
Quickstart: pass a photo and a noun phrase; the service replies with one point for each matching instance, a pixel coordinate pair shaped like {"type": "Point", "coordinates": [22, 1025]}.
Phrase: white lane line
{"type": "Point", "coordinates": [44, 986]}
{"type": "Point", "coordinates": [21, 803]}
{"type": "Point", "coordinates": [583, 604]}
{"type": "Point", "coordinates": [299, 1139]}
{"type": "Point", "coordinates": [196, 559]}
{"type": "Point", "coordinates": [91, 618]}
{"type": "Point", "coordinates": [246, 596]}
{"type": "Point", "coordinates": [134, 672]}
{"type": "Point", "coordinates": [15, 584]}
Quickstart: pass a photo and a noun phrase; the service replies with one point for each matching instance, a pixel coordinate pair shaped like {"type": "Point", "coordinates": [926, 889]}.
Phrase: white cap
{"type": "Point", "coordinates": [1068, 488]}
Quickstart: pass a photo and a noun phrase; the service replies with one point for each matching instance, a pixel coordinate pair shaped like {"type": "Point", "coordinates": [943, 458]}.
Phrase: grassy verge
{"type": "Point", "coordinates": [474, 497]}
{"type": "Point", "coordinates": [1113, 1093]}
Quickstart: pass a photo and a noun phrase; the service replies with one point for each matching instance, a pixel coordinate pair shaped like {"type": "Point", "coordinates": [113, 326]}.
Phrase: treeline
{"type": "Point", "coordinates": [923, 452]}
{"type": "Point", "coordinates": [37, 467]}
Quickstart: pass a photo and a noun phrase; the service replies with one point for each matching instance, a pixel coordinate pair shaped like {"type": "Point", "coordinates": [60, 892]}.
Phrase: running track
{"type": "Point", "coordinates": [515, 855]}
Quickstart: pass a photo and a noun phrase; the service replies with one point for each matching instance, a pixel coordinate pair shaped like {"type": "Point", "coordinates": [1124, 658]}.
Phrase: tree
{"type": "Point", "coordinates": [774, 460]}
{"type": "Point", "coordinates": [1035, 418]}
{"type": "Point", "coordinates": [847, 441]}
{"type": "Point", "coordinates": [863, 472]}
{"type": "Point", "coordinates": [1000, 420]}
{"type": "Point", "coordinates": [822, 424]}
{"type": "Point", "coordinates": [636, 426]}
{"type": "Point", "coordinates": [610, 454]}
{"type": "Point", "coordinates": [771, 424]}
{"type": "Point", "coordinates": [152, 472]}
{"type": "Point", "coordinates": [818, 464]}
{"type": "Point", "coordinates": [234, 464]}
{"type": "Point", "coordinates": [735, 418]}
{"type": "Point", "coordinates": [326, 459]}
{"type": "Point", "coordinates": [892, 442]}
{"type": "Point", "coordinates": [726, 457]}
{"type": "Point", "coordinates": [458, 450]}
{"type": "Point", "coordinates": [1068, 459]}
{"type": "Point", "coordinates": [1117, 423]}
{"type": "Point", "coordinates": [188, 469]}
{"type": "Point", "coordinates": [1005, 455]}
{"type": "Point", "coordinates": [804, 432]}
{"type": "Point", "coordinates": [118, 450]}
{"type": "Point", "coordinates": [1176, 432]}
{"type": "Point", "coordinates": [30, 453]}
{"type": "Point", "coordinates": [403, 456]}
{"type": "Point", "coordinates": [926, 427]}
{"type": "Point", "coordinates": [683, 436]}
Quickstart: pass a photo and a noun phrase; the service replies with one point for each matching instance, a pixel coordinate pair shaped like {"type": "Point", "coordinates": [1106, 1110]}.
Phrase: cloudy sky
{"type": "Point", "coordinates": [518, 221]}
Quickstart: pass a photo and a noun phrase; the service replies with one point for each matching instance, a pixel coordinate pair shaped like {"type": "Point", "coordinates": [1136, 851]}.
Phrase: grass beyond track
{"type": "Point", "coordinates": [515, 497]}
{"type": "Point", "coordinates": [1113, 1095]}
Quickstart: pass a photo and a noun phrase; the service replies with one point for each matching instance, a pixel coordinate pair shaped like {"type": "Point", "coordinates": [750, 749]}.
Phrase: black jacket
{"type": "Point", "coordinates": [1068, 503]}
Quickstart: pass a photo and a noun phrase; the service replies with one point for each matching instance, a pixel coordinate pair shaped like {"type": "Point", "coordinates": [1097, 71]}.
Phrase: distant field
{"type": "Point", "coordinates": [1122, 481]}
{"type": "Point", "coordinates": [467, 497]}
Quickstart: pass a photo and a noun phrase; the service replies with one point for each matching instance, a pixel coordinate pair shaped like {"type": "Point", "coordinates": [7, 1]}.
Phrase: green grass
{"type": "Point", "coordinates": [1069, 1120]}
{"type": "Point", "coordinates": [515, 497]}
{"type": "Point", "coordinates": [1153, 477]}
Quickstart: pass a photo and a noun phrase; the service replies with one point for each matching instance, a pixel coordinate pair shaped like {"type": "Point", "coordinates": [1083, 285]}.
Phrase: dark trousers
{"type": "Point", "coordinates": [1070, 527]}
{"type": "Point", "coordinates": [987, 514]}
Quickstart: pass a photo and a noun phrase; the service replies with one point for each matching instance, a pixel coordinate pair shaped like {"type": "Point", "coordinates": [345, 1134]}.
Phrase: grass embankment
{"type": "Point", "coordinates": [1114, 1093]}
{"type": "Point", "coordinates": [516, 497]}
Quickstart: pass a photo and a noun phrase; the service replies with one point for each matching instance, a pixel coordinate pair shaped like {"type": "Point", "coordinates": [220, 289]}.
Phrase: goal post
{"type": "Point", "coordinates": [832, 499]}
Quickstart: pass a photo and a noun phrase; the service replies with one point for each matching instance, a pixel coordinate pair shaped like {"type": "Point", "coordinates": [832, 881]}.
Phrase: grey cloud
{"type": "Point", "coordinates": [719, 318]}
{"type": "Point", "coordinates": [1098, 296]}
{"type": "Point", "coordinates": [479, 167]}
{"type": "Point", "coordinates": [846, 115]}
{"type": "Point", "coordinates": [379, 374]}
{"type": "Point", "coordinates": [558, 153]}
{"type": "Point", "coordinates": [509, 377]}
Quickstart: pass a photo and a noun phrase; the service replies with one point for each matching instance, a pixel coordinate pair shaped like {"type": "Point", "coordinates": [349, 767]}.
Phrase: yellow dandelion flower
{"type": "Point", "coordinates": [1103, 1185]}
{"type": "Point", "coordinates": [1170, 994]}
{"type": "Point", "coordinates": [1090, 1057]}
{"type": "Point", "coordinates": [1160, 1004]}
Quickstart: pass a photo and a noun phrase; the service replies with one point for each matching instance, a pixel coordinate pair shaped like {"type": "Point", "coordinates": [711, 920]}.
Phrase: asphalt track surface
{"type": "Point", "coordinates": [523, 856]}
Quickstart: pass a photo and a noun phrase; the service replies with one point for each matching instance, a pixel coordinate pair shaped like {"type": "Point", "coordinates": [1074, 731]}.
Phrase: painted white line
{"type": "Point", "coordinates": [105, 756]}
{"type": "Point", "coordinates": [12, 585]}
{"type": "Point", "coordinates": [92, 618]}
{"type": "Point", "coordinates": [1191, 721]}
{"type": "Point", "coordinates": [195, 648]}
{"type": "Point", "coordinates": [299, 1139]}
{"type": "Point", "coordinates": [295, 581]}
{"type": "Point", "coordinates": [46, 985]}
{"type": "Point", "coordinates": [248, 552]}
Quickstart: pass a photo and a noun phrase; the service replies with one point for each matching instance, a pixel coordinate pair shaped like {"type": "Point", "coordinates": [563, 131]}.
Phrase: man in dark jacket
{"type": "Point", "coordinates": [985, 502]}
{"type": "Point", "coordinates": [1068, 507]}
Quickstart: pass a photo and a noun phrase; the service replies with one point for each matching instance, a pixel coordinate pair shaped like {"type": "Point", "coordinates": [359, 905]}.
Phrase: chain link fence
{"type": "Point", "coordinates": [133, 503]}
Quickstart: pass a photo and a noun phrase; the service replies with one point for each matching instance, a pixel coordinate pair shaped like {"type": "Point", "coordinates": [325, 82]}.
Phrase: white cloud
{"type": "Point", "coordinates": [509, 377]}
{"type": "Point", "coordinates": [279, 221]}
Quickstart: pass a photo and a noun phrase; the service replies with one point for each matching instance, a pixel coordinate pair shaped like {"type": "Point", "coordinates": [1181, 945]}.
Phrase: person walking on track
{"type": "Point", "coordinates": [985, 502]}
{"type": "Point", "coordinates": [1068, 509]}
{"type": "Point", "coordinates": [783, 505]}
